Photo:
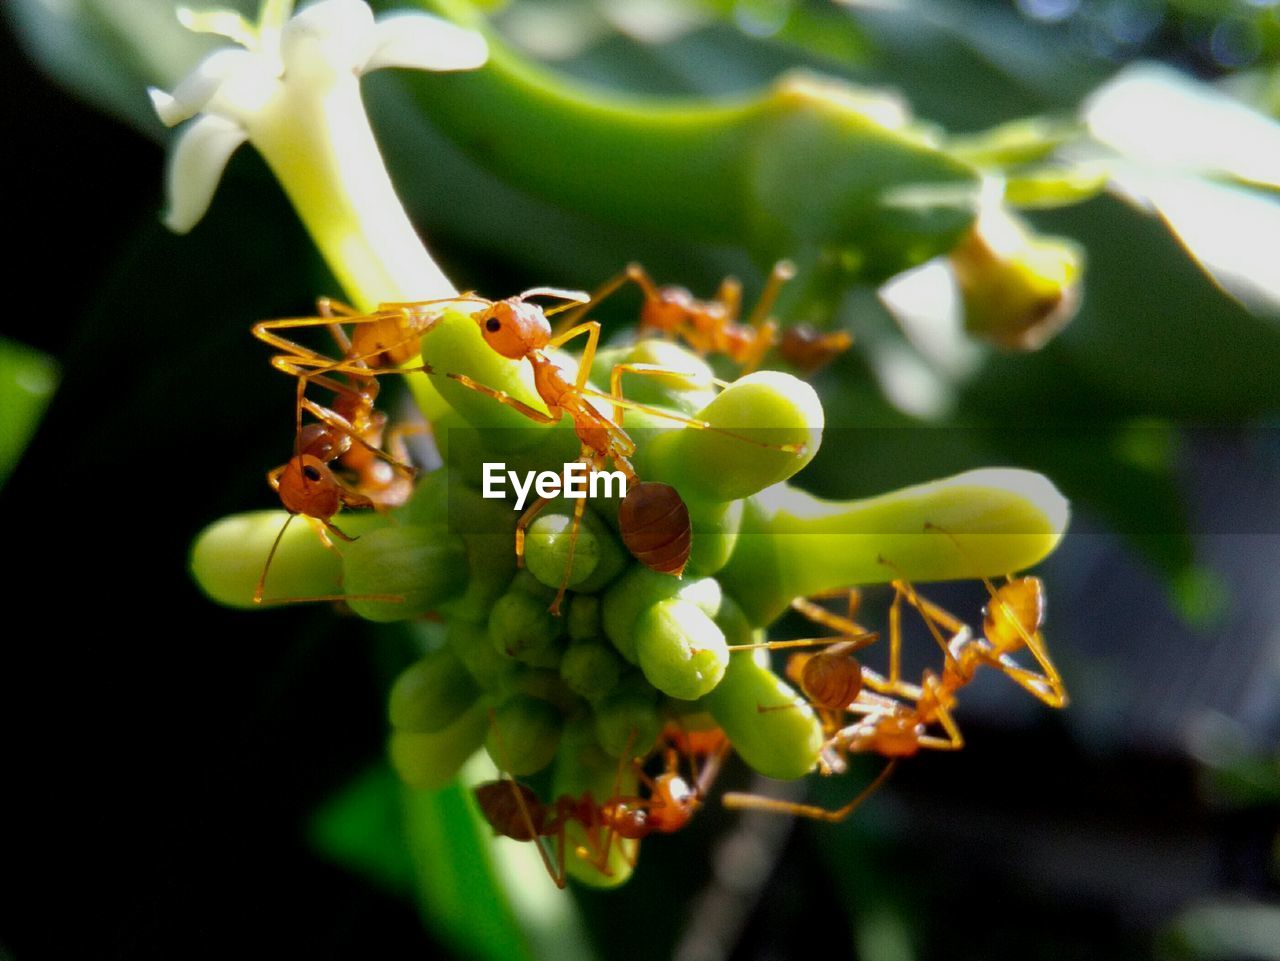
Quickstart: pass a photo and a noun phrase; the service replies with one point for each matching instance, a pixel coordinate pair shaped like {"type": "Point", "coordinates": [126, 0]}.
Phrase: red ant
{"type": "Point", "coordinates": [513, 809]}
{"type": "Point", "coordinates": [712, 327]}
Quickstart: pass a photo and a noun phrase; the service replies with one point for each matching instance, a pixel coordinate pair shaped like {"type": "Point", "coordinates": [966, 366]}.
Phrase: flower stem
{"type": "Point", "coordinates": [320, 147]}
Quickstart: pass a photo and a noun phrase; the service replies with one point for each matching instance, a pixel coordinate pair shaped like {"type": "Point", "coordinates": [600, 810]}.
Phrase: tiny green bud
{"type": "Point", "coordinates": [583, 620]}
{"type": "Point", "coordinates": [680, 649]}
{"type": "Point", "coordinates": [546, 550]}
{"type": "Point", "coordinates": [590, 669]}
{"type": "Point", "coordinates": [431, 693]}
{"type": "Point", "coordinates": [524, 735]}
{"type": "Point", "coordinates": [520, 626]}
{"type": "Point", "coordinates": [471, 644]}
{"type": "Point", "coordinates": [430, 761]}
{"type": "Point", "coordinates": [627, 720]}
{"type": "Point", "coordinates": [423, 565]}
{"type": "Point", "coordinates": [774, 729]}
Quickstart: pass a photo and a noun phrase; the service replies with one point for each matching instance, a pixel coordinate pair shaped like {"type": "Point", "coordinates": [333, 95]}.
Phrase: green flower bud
{"type": "Point", "coordinates": [769, 426]}
{"type": "Point", "coordinates": [424, 565]}
{"type": "Point", "coordinates": [680, 649]}
{"type": "Point", "coordinates": [773, 729]}
{"type": "Point", "coordinates": [590, 669]}
{"type": "Point", "coordinates": [583, 620]}
{"type": "Point", "coordinates": [524, 735]}
{"type": "Point", "coordinates": [228, 557]}
{"type": "Point", "coordinates": [641, 588]}
{"type": "Point", "coordinates": [520, 626]}
{"type": "Point", "coordinates": [794, 544]}
{"type": "Point", "coordinates": [597, 557]}
{"type": "Point", "coordinates": [430, 761]}
{"type": "Point", "coordinates": [627, 721]}
{"type": "Point", "coordinates": [431, 693]}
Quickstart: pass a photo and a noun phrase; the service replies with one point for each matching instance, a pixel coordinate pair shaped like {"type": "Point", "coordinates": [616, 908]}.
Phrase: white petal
{"type": "Point", "coordinates": [196, 162]}
{"type": "Point", "coordinates": [336, 35]}
{"type": "Point", "coordinates": [198, 87]}
{"type": "Point", "coordinates": [423, 42]}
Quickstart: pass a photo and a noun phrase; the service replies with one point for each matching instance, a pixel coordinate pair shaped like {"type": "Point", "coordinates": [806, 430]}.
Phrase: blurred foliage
{"type": "Point", "coordinates": [28, 379]}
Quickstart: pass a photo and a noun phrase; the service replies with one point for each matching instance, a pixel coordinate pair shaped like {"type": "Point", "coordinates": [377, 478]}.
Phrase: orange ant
{"type": "Point", "coordinates": [1011, 621]}
{"type": "Point", "coordinates": [351, 431]}
{"type": "Point", "coordinates": [894, 718]}
{"type": "Point", "coordinates": [514, 811]}
{"type": "Point", "coordinates": [712, 327]}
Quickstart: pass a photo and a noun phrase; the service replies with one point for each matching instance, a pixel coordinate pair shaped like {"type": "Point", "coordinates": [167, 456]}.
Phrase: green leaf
{"type": "Point", "coordinates": [361, 828]}
{"type": "Point", "coordinates": [28, 379]}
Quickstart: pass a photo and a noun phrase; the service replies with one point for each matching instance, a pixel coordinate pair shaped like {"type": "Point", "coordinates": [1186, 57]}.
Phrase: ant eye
{"type": "Point", "coordinates": [310, 473]}
{"type": "Point", "coordinates": [492, 325]}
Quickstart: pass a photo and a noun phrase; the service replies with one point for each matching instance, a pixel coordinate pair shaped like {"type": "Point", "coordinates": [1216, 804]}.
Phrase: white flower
{"type": "Point", "coordinates": [291, 82]}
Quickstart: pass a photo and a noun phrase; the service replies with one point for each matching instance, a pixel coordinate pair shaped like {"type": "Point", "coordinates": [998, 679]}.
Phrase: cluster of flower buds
{"type": "Point", "coordinates": [632, 650]}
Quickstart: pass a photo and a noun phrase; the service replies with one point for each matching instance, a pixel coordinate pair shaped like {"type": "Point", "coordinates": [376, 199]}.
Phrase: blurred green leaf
{"type": "Point", "coordinates": [107, 52]}
{"type": "Point", "coordinates": [1224, 931]}
{"type": "Point", "coordinates": [361, 828]}
{"type": "Point", "coordinates": [492, 899]}
{"type": "Point", "coordinates": [28, 379]}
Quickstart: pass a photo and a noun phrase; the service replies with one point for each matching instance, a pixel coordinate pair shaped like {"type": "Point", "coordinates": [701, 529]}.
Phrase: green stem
{"type": "Point", "coordinates": [801, 166]}
{"type": "Point", "coordinates": [983, 523]}
{"type": "Point", "coordinates": [317, 140]}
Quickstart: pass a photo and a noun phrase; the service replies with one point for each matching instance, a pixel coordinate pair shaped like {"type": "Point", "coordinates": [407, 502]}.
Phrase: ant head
{"type": "Point", "coordinates": [629, 821]}
{"type": "Point", "coordinates": [667, 309]}
{"type": "Point", "coordinates": [514, 328]}
{"type": "Point", "coordinates": [307, 486]}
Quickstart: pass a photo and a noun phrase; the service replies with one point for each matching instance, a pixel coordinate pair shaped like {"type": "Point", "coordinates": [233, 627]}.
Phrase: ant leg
{"type": "Point", "coordinates": [601, 293]}
{"type": "Point", "coordinates": [558, 876]}
{"type": "Point", "coordinates": [954, 741]}
{"type": "Point", "coordinates": [592, 329]}
{"type": "Point", "coordinates": [335, 420]}
{"type": "Point", "coordinates": [782, 271]}
{"type": "Point", "coordinates": [741, 802]}
{"type": "Point", "coordinates": [579, 508]}
{"type": "Point", "coordinates": [260, 589]}
{"type": "Point", "coordinates": [729, 296]}
{"type": "Point", "coordinates": [681, 419]}
{"type": "Point", "coordinates": [501, 396]}
{"type": "Point", "coordinates": [1046, 687]}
